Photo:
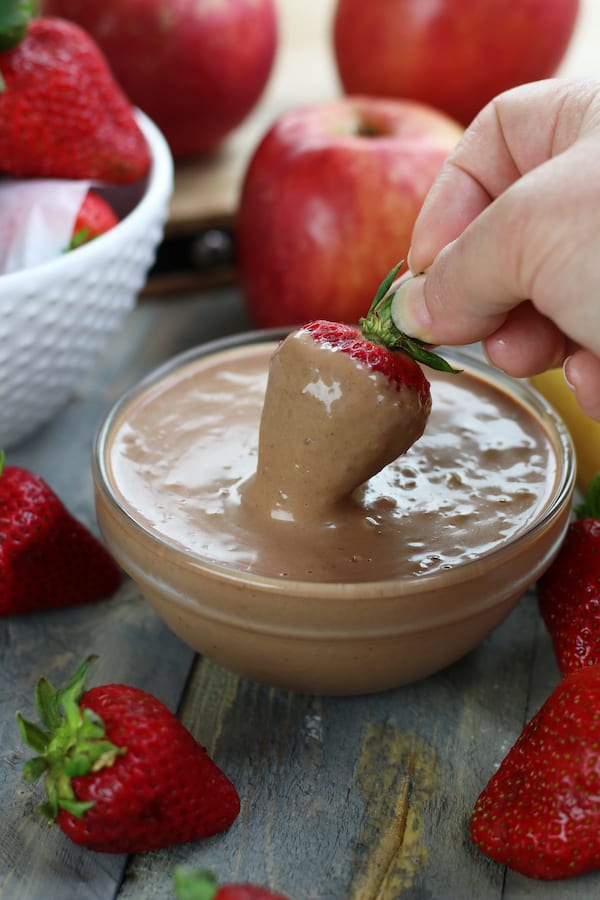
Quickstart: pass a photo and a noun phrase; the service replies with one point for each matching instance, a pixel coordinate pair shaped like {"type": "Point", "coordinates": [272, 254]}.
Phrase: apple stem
{"type": "Point", "coordinates": [378, 326]}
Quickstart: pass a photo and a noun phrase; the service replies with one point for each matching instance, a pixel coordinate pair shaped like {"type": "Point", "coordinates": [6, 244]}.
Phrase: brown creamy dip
{"type": "Point", "coordinates": [183, 459]}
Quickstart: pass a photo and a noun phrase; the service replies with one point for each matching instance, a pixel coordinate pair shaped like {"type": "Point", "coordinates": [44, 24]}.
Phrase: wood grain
{"type": "Point", "coordinates": [37, 863]}
{"type": "Point", "coordinates": [350, 798]}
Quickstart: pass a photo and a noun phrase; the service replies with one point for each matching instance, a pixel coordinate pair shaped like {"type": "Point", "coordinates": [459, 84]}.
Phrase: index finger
{"type": "Point", "coordinates": [513, 134]}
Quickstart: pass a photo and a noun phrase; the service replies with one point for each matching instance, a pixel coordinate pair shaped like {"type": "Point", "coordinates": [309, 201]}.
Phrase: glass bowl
{"type": "Point", "coordinates": [319, 636]}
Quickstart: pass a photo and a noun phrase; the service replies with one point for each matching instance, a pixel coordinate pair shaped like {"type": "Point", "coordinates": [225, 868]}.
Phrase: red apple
{"type": "Point", "coordinates": [328, 204]}
{"type": "Point", "coordinates": [197, 69]}
{"type": "Point", "coordinates": [453, 54]}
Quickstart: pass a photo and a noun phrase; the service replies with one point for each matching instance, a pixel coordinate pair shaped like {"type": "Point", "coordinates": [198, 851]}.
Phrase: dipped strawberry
{"type": "Point", "coordinates": [341, 403]}
{"type": "Point", "coordinates": [48, 558]}
{"type": "Point", "coordinates": [62, 112]}
{"type": "Point", "coordinates": [540, 812]}
{"type": "Point", "coordinates": [196, 884]}
{"type": "Point", "coordinates": [569, 591]}
{"type": "Point", "coordinates": [94, 218]}
{"type": "Point", "coordinates": [122, 773]}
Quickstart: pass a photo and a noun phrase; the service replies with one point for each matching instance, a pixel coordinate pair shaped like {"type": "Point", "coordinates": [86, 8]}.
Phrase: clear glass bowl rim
{"type": "Point", "coordinates": [411, 584]}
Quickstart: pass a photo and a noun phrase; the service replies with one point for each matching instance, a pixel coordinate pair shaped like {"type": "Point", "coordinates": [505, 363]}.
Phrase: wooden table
{"type": "Point", "coordinates": [360, 797]}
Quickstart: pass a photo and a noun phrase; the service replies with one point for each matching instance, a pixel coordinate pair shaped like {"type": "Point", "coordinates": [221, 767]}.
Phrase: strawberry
{"type": "Point", "coordinates": [540, 812]}
{"type": "Point", "coordinates": [380, 346]}
{"type": "Point", "coordinates": [569, 590]}
{"type": "Point", "coordinates": [386, 404]}
{"type": "Point", "coordinates": [399, 368]}
{"type": "Point", "coordinates": [196, 884]}
{"type": "Point", "coordinates": [378, 327]}
{"type": "Point", "coordinates": [62, 112]}
{"type": "Point", "coordinates": [47, 557]}
{"type": "Point", "coordinates": [122, 773]}
{"type": "Point", "coordinates": [95, 216]}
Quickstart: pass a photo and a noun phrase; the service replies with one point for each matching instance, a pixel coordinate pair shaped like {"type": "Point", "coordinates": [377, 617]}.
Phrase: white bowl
{"type": "Point", "coordinates": [56, 318]}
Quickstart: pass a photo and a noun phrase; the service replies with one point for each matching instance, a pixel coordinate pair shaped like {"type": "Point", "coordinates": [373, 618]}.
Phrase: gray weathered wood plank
{"type": "Point", "coordinates": [367, 797]}
{"type": "Point", "coordinates": [37, 863]}
{"type": "Point", "coordinates": [360, 797]}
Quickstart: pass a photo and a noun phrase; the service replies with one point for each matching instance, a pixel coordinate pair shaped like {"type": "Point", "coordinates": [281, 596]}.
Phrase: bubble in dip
{"type": "Point", "coordinates": [387, 584]}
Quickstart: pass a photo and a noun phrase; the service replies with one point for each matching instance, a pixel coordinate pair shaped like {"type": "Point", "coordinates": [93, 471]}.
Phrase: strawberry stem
{"type": "Point", "coordinates": [384, 287]}
{"type": "Point", "coordinates": [78, 239]}
{"type": "Point", "coordinates": [590, 508]}
{"type": "Point", "coordinates": [378, 326]}
{"type": "Point", "coordinates": [15, 16]}
{"type": "Point", "coordinates": [71, 742]}
{"type": "Point", "coordinates": [194, 884]}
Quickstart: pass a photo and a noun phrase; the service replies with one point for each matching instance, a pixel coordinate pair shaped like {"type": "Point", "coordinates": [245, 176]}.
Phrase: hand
{"type": "Point", "coordinates": [508, 238]}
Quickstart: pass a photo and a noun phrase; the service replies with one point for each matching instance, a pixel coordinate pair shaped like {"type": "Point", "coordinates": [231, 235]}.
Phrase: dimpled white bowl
{"type": "Point", "coordinates": [58, 317]}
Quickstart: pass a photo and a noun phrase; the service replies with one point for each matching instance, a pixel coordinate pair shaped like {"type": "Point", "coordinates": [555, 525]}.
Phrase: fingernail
{"type": "Point", "coordinates": [565, 367]}
{"type": "Point", "coordinates": [409, 263]}
{"type": "Point", "coordinates": [409, 312]}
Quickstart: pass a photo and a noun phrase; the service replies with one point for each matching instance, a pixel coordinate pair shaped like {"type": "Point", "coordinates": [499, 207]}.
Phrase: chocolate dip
{"type": "Point", "coordinates": [340, 424]}
{"type": "Point", "coordinates": [183, 461]}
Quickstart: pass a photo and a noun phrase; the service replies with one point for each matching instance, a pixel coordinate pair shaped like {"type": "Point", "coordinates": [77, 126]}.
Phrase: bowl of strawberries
{"type": "Point", "coordinates": [85, 183]}
{"type": "Point", "coordinates": [333, 510]}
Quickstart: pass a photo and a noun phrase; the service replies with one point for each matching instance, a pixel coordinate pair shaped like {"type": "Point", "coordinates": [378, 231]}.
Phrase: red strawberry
{"type": "Point", "coordinates": [569, 591]}
{"type": "Point", "coordinates": [194, 884]}
{"type": "Point", "coordinates": [95, 216]}
{"type": "Point", "coordinates": [399, 368]}
{"type": "Point", "coordinates": [47, 557]}
{"type": "Point", "coordinates": [386, 404]}
{"type": "Point", "coordinates": [62, 112]}
{"type": "Point", "coordinates": [381, 347]}
{"type": "Point", "coordinates": [540, 812]}
{"type": "Point", "coordinates": [123, 774]}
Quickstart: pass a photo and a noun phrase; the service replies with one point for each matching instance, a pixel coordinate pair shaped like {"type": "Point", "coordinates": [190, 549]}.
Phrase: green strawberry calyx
{"type": "Point", "coordinates": [378, 326]}
{"type": "Point", "coordinates": [71, 741]}
{"type": "Point", "coordinates": [15, 16]}
{"type": "Point", "coordinates": [78, 239]}
{"type": "Point", "coordinates": [194, 884]}
{"type": "Point", "coordinates": [590, 508]}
